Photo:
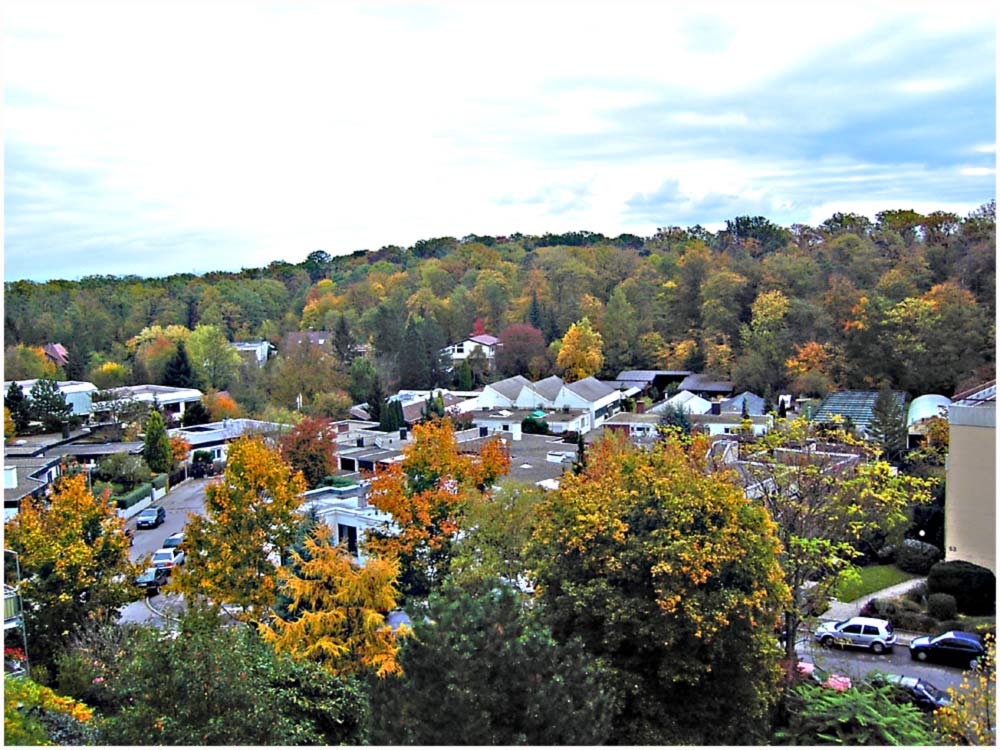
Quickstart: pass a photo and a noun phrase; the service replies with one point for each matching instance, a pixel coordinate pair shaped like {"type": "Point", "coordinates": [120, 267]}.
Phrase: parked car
{"type": "Point", "coordinates": [167, 557]}
{"type": "Point", "coordinates": [955, 647]}
{"type": "Point", "coordinates": [858, 632]}
{"type": "Point", "coordinates": [920, 693]}
{"type": "Point", "coordinates": [174, 540]}
{"type": "Point", "coordinates": [151, 579]}
{"type": "Point", "coordinates": [151, 517]}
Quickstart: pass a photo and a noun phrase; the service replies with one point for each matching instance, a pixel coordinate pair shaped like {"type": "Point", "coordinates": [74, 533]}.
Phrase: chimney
{"type": "Point", "coordinates": [640, 406]}
{"type": "Point", "coordinates": [484, 432]}
{"type": "Point", "coordinates": [65, 429]}
{"type": "Point", "coordinates": [402, 433]}
{"type": "Point", "coordinates": [361, 442]}
{"type": "Point", "coordinates": [716, 407]}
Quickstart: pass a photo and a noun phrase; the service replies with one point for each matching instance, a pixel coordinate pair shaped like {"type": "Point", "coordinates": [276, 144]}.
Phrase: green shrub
{"type": "Point", "coordinates": [915, 556]}
{"type": "Point", "coordinates": [160, 481]}
{"type": "Point", "coordinates": [918, 593]}
{"type": "Point", "coordinates": [131, 498]}
{"type": "Point", "coordinates": [333, 481]}
{"type": "Point", "coordinates": [973, 586]}
{"type": "Point", "coordinates": [534, 426]}
{"type": "Point", "coordinates": [201, 457]}
{"type": "Point", "coordinates": [915, 621]}
{"type": "Point", "coordinates": [942, 606]}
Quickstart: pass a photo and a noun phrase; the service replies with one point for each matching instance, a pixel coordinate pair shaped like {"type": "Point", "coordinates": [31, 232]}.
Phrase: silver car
{"type": "Point", "coordinates": [858, 632]}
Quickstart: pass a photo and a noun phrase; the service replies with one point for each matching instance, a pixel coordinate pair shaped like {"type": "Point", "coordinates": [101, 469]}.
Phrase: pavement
{"type": "Point", "coordinates": [843, 610]}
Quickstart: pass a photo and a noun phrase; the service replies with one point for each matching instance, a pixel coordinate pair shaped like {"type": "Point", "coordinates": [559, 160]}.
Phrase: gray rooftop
{"type": "Point", "coordinates": [510, 387]}
{"type": "Point", "coordinates": [550, 387]}
{"type": "Point", "coordinates": [591, 389]}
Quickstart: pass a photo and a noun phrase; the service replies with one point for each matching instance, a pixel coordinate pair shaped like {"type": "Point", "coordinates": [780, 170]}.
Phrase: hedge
{"type": "Point", "coordinates": [160, 481]}
{"type": "Point", "coordinates": [973, 586]}
{"type": "Point", "coordinates": [942, 606]}
{"type": "Point", "coordinates": [915, 556]}
{"type": "Point", "coordinates": [131, 498]}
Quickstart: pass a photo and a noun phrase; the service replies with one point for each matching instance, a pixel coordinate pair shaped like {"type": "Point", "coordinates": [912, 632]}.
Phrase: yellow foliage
{"type": "Point", "coordinates": [336, 610]}
{"type": "Point", "coordinates": [581, 355]}
{"type": "Point", "coordinates": [970, 718]}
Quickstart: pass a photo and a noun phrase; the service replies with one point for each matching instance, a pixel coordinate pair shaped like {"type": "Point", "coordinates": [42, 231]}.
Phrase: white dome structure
{"type": "Point", "coordinates": [925, 407]}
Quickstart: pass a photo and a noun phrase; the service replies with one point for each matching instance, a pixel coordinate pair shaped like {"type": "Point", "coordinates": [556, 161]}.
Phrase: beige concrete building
{"type": "Point", "coordinates": [971, 499]}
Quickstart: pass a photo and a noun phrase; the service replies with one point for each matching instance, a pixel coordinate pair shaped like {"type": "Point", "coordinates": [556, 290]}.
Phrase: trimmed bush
{"type": "Point", "coordinates": [533, 426]}
{"type": "Point", "coordinates": [915, 556]}
{"type": "Point", "coordinates": [915, 621]}
{"type": "Point", "coordinates": [973, 586]}
{"type": "Point", "coordinates": [131, 498]}
{"type": "Point", "coordinates": [160, 481]}
{"type": "Point", "coordinates": [942, 606]}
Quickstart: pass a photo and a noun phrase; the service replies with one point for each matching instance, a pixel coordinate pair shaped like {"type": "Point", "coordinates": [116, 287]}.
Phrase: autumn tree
{"type": "Point", "coordinates": [970, 718]}
{"type": "Point", "coordinates": [311, 447]}
{"type": "Point", "coordinates": [519, 345]}
{"type": "Point", "coordinates": [335, 609]}
{"type": "Point", "coordinates": [9, 429]}
{"type": "Point", "coordinates": [156, 447]}
{"type": "Point", "coordinates": [670, 575]}
{"type": "Point", "coordinates": [761, 368]}
{"type": "Point", "coordinates": [824, 502]}
{"type": "Point", "coordinates": [36, 715]}
{"type": "Point", "coordinates": [580, 355]}
{"type": "Point", "coordinates": [809, 369]}
{"type": "Point", "coordinates": [216, 364]}
{"type": "Point", "coordinates": [251, 513]}
{"type": "Point", "coordinates": [27, 363]}
{"type": "Point", "coordinates": [220, 405]}
{"type": "Point", "coordinates": [108, 375]}
{"type": "Point", "coordinates": [426, 494]}
{"type": "Point", "coordinates": [620, 332]}
{"type": "Point", "coordinates": [74, 563]}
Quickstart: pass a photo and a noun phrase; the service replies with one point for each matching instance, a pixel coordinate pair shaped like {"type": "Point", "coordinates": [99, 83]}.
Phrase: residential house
{"type": "Point", "coordinates": [705, 385]}
{"type": "Point", "coordinates": [461, 350]}
{"type": "Point", "coordinates": [320, 339]}
{"type": "Point", "coordinates": [754, 404]}
{"type": "Point", "coordinates": [855, 406]}
{"type": "Point", "coordinates": [256, 352]}
{"type": "Point", "coordinates": [970, 496]}
{"type": "Point", "coordinates": [646, 381]}
{"type": "Point", "coordinates": [589, 395]}
{"type": "Point", "coordinates": [215, 437]}
{"type": "Point", "coordinates": [172, 402]}
{"type": "Point", "coordinates": [685, 401]}
{"type": "Point", "coordinates": [345, 510]}
{"type": "Point", "coordinates": [78, 393]}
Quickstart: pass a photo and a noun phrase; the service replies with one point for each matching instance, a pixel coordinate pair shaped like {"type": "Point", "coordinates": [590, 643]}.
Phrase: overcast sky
{"type": "Point", "coordinates": [161, 137]}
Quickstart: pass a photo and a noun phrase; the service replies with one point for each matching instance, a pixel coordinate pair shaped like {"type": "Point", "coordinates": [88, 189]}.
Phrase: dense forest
{"type": "Point", "coordinates": [906, 301]}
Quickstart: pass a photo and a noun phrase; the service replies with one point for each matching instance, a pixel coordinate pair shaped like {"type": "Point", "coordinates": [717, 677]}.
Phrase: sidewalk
{"type": "Point", "coordinates": [843, 610]}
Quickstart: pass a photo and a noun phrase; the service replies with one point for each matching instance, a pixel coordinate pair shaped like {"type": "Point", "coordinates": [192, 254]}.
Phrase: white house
{"type": "Point", "coordinates": [78, 393]}
{"type": "Point", "coordinates": [215, 437]}
{"type": "Point", "coordinates": [170, 400]}
{"type": "Point", "coordinates": [486, 343]}
{"type": "Point", "coordinates": [255, 351]}
{"type": "Point", "coordinates": [347, 512]}
{"type": "Point", "coordinates": [686, 401]}
{"type": "Point", "coordinates": [589, 396]}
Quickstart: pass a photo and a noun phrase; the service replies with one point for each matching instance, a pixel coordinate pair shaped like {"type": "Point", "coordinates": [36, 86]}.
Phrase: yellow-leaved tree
{"type": "Point", "coordinates": [334, 615]}
{"type": "Point", "coordinates": [581, 354]}
{"type": "Point", "coordinates": [251, 516]}
{"type": "Point", "coordinates": [74, 561]}
{"type": "Point", "coordinates": [970, 718]}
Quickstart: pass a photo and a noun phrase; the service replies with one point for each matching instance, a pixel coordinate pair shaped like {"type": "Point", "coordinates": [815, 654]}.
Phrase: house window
{"type": "Point", "coordinates": [459, 348]}
{"type": "Point", "coordinates": [348, 535]}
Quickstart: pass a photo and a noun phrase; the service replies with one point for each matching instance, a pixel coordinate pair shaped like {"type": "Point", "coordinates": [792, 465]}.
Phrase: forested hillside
{"type": "Point", "coordinates": [908, 300]}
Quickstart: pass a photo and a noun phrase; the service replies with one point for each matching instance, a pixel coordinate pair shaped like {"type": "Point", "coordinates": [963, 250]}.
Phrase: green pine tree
{"type": "Point", "coordinates": [156, 447]}
{"type": "Point", "coordinates": [888, 424]}
{"type": "Point", "coordinates": [178, 372]}
{"type": "Point", "coordinates": [20, 408]}
{"type": "Point", "coordinates": [48, 404]}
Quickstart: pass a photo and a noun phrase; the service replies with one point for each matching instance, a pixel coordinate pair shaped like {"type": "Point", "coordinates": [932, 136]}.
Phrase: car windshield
{"type": "Point", "coordinates": [163, 556]}
{"type": "Point", "coordinates": [147, 574]}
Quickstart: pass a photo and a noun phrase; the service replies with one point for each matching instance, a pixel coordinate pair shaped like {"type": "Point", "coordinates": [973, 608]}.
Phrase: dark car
{"type": "Point", "coordinates": [955, 647]}
{"type": "Point", "coordinates": [919, 692]}
{"type": "Point", "coordinates": [151, 517]}
{"type": "Point", "coordinates": [151, 579]}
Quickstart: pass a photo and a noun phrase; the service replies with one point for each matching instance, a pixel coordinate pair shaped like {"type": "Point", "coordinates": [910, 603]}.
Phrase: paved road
{"type": "Point", "coordinates": [188, 497]}
{"type": "Point", "coordinates": [856, 664]}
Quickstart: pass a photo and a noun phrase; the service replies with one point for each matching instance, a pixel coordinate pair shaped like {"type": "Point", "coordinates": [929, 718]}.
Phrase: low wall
{"type": "Point", "coordinates": [128, 513]}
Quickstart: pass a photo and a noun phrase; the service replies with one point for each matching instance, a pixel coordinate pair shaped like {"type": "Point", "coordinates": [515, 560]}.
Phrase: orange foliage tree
{"type": "Point", "coordinates": [251, 515]}
{"type": "Point", "coordinates": [311, 447]}
{"type": "Point", "coordinates": [426, 494]}
{"type": "Point", "coordinates": [179, 449]}
{"type": "Point", "coordinates": [221, 405]}
{"type": "Point", "coordinates": [335, 613]}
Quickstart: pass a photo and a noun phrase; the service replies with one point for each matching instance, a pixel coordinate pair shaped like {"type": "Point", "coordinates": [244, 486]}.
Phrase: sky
{"type": "Point", "coordinates": [153, 138]}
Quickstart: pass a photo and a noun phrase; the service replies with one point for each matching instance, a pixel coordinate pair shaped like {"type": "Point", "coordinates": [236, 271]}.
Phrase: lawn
{"type": "Point", "coordinates": [873, 578]}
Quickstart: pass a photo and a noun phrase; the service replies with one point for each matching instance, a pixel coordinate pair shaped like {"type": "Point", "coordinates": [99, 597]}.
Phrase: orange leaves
{"type": "Point", "coordinates": [179, 448]}
{"type": "Point", "coordinates": [221, 406]}
{"type": "Point", "coordinates": [426, 495]}
{"type": "Point", "coordinates": [809, 357]}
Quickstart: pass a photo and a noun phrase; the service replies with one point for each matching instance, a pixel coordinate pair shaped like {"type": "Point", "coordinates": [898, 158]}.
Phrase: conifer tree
{"type": "Point", "coordinates": [178, 372]}
{"type": "Point", "coordinates": [156, 445]}
{"type": "Point", "coordinates": [48, 404]}
{"type": "Point", "coordinates": [888, 424]}
{"type": "Point", "coordinates": [20, 409]}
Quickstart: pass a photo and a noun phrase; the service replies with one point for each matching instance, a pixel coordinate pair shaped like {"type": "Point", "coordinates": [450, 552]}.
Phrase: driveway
{"type": "Point", "coordinates": [188, 497]}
